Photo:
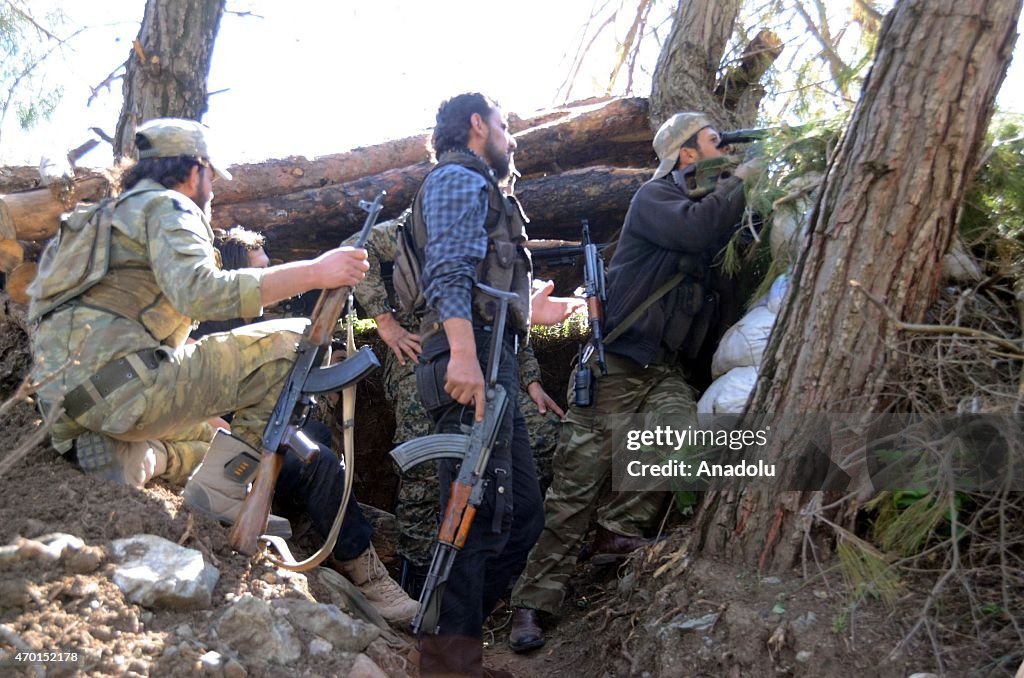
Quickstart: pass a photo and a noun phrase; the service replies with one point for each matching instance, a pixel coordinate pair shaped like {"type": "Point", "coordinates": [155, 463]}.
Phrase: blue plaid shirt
{"type": "Point", "coordinates": [454, 211]}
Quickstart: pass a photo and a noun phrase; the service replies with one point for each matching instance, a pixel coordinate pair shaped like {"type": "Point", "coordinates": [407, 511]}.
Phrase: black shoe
{"type": "Point", "coordinates": [526, 634]}
{"type": "Point", "coordinates": [609, 547]}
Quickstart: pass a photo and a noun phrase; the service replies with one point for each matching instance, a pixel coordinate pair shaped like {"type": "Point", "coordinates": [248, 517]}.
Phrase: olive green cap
{"type": "Point", "coordinates": [172, 137]}
{"type": "Point", "coordinates": [671, 136]}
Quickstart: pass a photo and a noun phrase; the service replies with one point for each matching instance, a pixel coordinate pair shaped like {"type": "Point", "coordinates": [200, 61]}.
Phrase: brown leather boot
{"type": "Point", "coordinates": [609, 547]}
{"type": "Point", "coordinates": [525, 634]}
{"type": "Point", "coordinates": [372, 578]}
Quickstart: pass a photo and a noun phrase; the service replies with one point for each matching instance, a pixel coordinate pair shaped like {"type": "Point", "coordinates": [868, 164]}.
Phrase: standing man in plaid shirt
{"type": "Point", "coordinates": [468, 231]}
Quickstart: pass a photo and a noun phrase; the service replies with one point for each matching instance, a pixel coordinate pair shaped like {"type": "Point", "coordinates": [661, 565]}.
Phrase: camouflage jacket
{"type": "Point", "coordinates": [168, 234]}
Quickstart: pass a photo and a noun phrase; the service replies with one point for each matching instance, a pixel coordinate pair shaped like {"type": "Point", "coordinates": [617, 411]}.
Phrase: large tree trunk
{"type": "Point", "coordinates": [886, 217]}
{"type": "Point", "coordinates": [684, 78]}
{"type": "Point", "coordinates": [167, 69]}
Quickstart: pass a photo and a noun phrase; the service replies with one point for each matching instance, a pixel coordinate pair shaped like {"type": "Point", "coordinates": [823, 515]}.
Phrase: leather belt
{"type": "Point", "coordinates": [108, 379]}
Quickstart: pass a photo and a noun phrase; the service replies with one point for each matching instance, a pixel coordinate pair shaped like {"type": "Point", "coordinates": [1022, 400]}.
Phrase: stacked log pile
{"type": "Point", "coordinates": [582, 161]}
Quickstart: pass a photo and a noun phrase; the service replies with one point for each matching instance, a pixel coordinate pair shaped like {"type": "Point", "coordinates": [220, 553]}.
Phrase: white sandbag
{"type": "Point", "coordinates": [743, 344]}
{"type": "Point", "coordinates": [959, 266]}
{"type": "Point", "coordinates": [777, 294]}
{"type": "Point", "coordinates": [729, 393]}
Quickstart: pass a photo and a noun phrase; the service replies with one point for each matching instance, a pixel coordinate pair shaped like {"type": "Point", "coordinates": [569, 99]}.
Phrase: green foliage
{"type": "Point", "coordinates": [906, 521]}
{"type": "Point", "coordinates": [992, 218]}
{"type": "Point", "coordinates": [866, 570]}
{"type": "Point", "coordinates": [25, 43]}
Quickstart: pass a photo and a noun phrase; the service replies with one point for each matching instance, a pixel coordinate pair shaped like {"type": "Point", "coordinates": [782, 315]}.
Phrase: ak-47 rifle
{"type": "Point", "coordinates": [306, 379]}
{"type": "Point", "coordinates": [467, 491]}
{"type": "Point", "coordinates": [594, 291]}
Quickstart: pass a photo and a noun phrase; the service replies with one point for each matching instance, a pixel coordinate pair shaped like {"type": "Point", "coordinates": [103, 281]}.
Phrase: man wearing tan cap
{"type": "Point", "coordinates": [117, 295]}
{"type": "Point", "coordinates": [657, 301]}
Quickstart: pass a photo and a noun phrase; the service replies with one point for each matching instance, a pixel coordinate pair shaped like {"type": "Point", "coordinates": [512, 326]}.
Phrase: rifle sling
{"type": "Point", "coordinates": [348, 404]}
{"type": "Point", "coordinates": [639, 310]}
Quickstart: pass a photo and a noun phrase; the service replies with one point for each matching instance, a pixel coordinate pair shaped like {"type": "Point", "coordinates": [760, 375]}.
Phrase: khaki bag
{"type": "Point", "coordinates": [75, 259]}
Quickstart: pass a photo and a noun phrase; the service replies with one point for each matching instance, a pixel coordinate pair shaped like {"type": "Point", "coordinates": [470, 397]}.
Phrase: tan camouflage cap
{"type": "Point", "coordinates": [171, 137]}
{"type": "Point", "coordinates": [671, 136]}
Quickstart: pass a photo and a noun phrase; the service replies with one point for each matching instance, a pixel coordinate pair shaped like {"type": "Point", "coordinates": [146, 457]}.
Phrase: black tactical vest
{"type": "Point", "coordinates": [507, 265]}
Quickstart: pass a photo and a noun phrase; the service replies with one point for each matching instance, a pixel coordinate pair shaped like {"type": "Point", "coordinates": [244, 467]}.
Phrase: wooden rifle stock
{"type": "Point", "coordinates": [252, 520]}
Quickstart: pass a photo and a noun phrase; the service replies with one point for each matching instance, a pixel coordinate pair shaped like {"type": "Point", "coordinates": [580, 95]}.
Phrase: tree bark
{"type": "Point", "coordinates": [684, 77]}
{"type": "Point", "coordinates": [887, 214]}
{"type": "Point", "coordinates": [167, 69]}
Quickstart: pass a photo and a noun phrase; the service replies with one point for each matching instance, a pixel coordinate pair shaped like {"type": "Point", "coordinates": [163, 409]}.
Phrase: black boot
{"type": "Point", "coordinates": [526, 634]}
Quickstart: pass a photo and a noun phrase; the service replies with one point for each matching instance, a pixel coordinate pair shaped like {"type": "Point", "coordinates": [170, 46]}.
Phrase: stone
{"type": "Point", "coordinates": [212, 663]}
{"type": "Point", "coordinates": [328, 622]}
{"type": "Point", "coordinates": [804, 656]}
{"type": "Point", "coordinates": [234, 669]}
{"type": "Point", "coordinates": [84, 561]}
{"type": "Point", "coordinates": [695, 624]}
{"type": "Point", "coordinates": [364, 667]}
{"type": "Point", "coordinates": [157, 573]}
{"type": "Point", "coordinates": [804, 622]}
{"type": "Point", "coordinates": [251, 628]}
{"type": "Point", "coordinates": [319, 647]}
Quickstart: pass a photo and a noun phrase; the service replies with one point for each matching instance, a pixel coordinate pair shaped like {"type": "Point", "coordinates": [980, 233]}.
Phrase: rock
{"type": "Point", "coordinates": [251, 629]}
{"type": "Point", "coordinates": [319, 646]}
{"type": "Point", "coordinates": [364, 667]}
{"type": "Point", "coordinates": [771, 581]}
{"type": "Point", "coordinates": [212, 663]}
{"type": "Point", "coordinates": [184, 631]}
{"type": "Point", "coordinates": [85, 561]}
{"type": "Point", "coordinates": [696, 624]}
{"type": "Point", "coordinates": [804, 622]}
{"type": "Point", "coordinates": [327, 621]}
{"type": "Point", "coordinates": [15, 592]}
{"type": "Point", "coordinates": [155, 572]}
{"type": "Point", "coordinates": [804, 656]}
{"type": "Point", "coordinates": [234, 669]}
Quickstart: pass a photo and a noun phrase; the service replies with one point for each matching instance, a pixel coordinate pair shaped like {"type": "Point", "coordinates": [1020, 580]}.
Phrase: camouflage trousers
{"type": "Point", "coordinates": [418, 500]}
{"type": "Point", "coordinates": [582, 472]}
{"type": "Point", "coordinates": [241, 371]}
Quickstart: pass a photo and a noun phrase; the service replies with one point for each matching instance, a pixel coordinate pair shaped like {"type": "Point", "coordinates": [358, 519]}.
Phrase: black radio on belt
{"type": "Point", "coordinates": [583, 389]}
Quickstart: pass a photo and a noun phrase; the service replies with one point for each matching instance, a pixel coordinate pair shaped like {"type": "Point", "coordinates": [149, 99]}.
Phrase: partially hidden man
{"type": "Point", "coordinates": [470, 232]}
{"type": "Point", "coordinates": [111, 348]}
{"type": "Point", "coordinates": [667, 245]}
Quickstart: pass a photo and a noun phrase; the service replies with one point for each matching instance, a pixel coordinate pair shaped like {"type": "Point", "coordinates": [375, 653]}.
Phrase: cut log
{"type": "Point", "coordinates": [615, 133]}
{"type": "Point", "coordinates": [12, 253]}
{"type": "Point", "coordinates": [18, 281]}
{"type": "Point", "coordinates": [35, 214]}
{"type": "Point", "coordinates": [557, 203]}
{"type": "Point", "coordinates": [19, 178]}
{"type": "Point", "coordinates": [303, 225]}
{"type": "Point", "coordinates": [610, 132]}
{"type": "Point", "coordinates": [314, 220]}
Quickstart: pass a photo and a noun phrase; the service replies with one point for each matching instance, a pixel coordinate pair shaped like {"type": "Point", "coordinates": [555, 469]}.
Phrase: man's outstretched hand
{"type": "Point", "coordinates": [549, 310]}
